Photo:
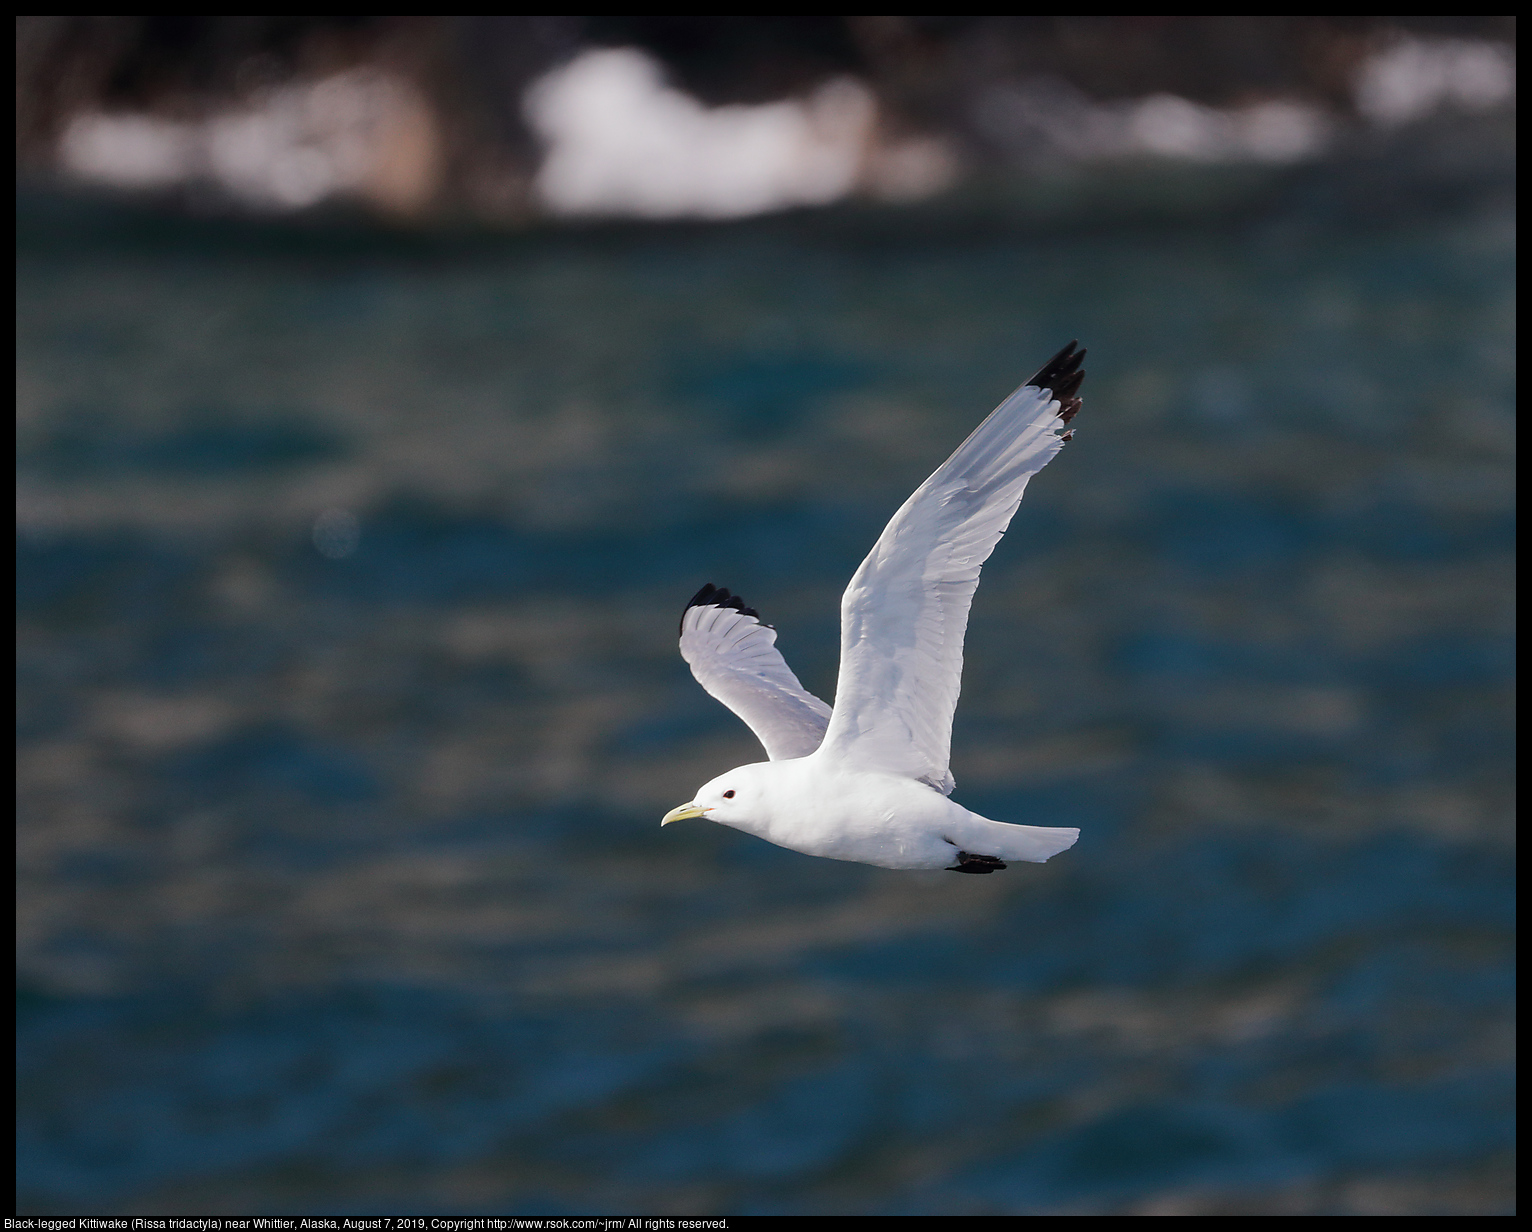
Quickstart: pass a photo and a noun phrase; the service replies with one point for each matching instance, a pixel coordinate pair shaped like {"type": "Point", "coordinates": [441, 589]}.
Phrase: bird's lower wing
{"type": "Point", "coordinates": [905, 612]}
{"type": "Point", "coordinates": [735, 658]}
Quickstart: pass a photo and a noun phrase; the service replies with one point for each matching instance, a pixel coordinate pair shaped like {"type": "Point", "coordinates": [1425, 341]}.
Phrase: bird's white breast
{"type": "Point", "coordinates": [871, 818]}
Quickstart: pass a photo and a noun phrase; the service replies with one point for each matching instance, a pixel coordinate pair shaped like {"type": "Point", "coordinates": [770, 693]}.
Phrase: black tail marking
{"type": "Point", "coordinates": [969, 863]}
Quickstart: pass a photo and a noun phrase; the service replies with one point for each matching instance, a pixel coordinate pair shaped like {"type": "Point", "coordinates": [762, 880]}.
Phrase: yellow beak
{"type": "Point", "coordinates": [682, 813]}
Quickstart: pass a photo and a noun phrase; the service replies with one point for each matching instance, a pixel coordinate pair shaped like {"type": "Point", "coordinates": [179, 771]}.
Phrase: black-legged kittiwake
{"type": "Point", "coordinates": [867, 780]}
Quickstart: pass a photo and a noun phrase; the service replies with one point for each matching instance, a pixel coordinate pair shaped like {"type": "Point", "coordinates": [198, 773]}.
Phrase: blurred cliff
{"type": "Point", "coordinates": [500, 120]}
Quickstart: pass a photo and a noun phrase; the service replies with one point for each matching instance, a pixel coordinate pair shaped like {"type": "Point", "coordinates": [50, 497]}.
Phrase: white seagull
{"type": "Point", "coordinates": [868, 780]}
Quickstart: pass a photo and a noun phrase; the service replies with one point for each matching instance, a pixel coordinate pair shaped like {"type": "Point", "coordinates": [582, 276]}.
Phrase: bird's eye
{"type": "Point", "coordinates": [728, 795]}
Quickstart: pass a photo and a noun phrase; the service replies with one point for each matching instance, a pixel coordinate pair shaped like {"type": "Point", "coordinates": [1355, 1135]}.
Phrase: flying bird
{"type": "Point", "coordinates": [867, 780]}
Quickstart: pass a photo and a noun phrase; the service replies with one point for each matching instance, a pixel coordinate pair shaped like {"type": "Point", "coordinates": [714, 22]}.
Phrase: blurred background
{"type": "Point", "coordinates": [387, 385]}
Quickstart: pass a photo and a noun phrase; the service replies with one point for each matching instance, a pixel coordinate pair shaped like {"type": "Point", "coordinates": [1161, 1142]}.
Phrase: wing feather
{"type": "Point", "coordinates": [734, 657]}
{"type": "Point", "coordinates": [905, 612]}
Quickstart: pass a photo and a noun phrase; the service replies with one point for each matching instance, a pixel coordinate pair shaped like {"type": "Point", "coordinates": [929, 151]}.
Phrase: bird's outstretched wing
{"type": "Point", "coordinates": [735, 658]}
{"type": "Point", "coordinates": [905, 612]}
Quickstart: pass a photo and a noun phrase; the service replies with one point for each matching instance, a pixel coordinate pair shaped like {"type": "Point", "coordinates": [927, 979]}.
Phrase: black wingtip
{"type": "Point", "coordinates": [715, 596]}
{"type": "Point", "coordinates": [1061, 376]}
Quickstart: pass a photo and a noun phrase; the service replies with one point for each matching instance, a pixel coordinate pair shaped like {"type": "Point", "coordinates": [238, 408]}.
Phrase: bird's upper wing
{"type": "Point", "coordinates": [904, 614]}
{"type": "Point", "coordinates": [735, 658]}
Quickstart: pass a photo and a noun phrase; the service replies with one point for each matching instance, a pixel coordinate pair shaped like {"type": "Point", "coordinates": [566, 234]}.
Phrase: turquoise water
{"type": "Point", "coordinates": [342, 884]}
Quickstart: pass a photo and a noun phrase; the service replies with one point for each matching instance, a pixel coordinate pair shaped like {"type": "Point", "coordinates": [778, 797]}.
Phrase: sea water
{"type": "Point", "coordinates": [349, 571]}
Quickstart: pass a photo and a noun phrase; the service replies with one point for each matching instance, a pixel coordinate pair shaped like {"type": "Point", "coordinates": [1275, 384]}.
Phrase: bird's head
{"type": "Point", "coordinates": [738, 798]}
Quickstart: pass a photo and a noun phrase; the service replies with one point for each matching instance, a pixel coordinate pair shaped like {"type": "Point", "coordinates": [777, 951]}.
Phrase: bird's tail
{"type": "Point", "coordinates": [1033, 844]}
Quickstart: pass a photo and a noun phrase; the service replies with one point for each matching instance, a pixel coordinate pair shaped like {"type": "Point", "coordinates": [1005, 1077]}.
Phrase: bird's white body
{"type": "Point", "coordinates": [810, 805]}
{"type": "Point", "coordinates": [868, 780]}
